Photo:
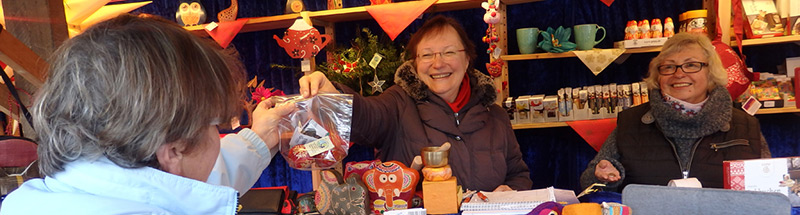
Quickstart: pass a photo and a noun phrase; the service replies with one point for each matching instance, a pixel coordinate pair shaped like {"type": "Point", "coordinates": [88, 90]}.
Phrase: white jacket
{"type": "Point", "coordinates": [102, 187]}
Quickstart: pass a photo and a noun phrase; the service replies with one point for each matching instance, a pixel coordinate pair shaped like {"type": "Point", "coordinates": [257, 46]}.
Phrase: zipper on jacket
{"type": "Point", "coordinates": [457, 122]}
{"type": "Point", "coordinates": [736, 142]}
{"type": "Point", "coordinates": [684, 171]}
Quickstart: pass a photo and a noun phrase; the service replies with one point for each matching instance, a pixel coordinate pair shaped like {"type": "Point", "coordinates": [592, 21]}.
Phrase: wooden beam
{"type": "Point", "coordinates": [25, 62]}
{"type": "Point", "coordinates": [39, 24]}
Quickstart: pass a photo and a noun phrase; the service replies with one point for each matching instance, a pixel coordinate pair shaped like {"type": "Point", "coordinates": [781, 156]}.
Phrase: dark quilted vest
{"type": "Point", "coordinates": [649, 158]}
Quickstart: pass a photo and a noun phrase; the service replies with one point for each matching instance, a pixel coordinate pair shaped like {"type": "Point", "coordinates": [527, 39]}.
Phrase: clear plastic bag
{"type": "Point", "coordinates": [317, 135]}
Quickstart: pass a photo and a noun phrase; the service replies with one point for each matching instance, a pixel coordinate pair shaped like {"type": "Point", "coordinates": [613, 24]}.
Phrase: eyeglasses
{"type": "Point", "coordinates": [445, 55]}
{"type": "Point", "coordinates": [689, 67]}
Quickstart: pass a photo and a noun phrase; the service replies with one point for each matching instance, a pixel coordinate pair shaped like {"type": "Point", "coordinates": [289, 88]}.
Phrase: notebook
{"type": "Point", "coordinates": [516, 202]}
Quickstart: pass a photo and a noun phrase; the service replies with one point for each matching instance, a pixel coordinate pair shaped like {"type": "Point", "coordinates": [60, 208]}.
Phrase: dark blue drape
{"type": "Point", "coordinates": [556, 156]}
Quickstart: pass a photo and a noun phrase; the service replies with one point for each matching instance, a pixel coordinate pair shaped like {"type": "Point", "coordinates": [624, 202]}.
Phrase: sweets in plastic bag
{"type": "Point", "coordinates": [317, 135]}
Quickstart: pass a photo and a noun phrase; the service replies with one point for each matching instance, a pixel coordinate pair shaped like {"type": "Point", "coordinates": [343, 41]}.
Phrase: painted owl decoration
{"type": "Point", "coordinates": [190, 13]}
{"type": "Point", "coordinates": [336, 196]}
{"type": "Point", "coordinates": [391, 185]}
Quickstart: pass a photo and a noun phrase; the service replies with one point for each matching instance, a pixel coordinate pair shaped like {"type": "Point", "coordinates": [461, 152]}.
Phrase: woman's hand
{"type": "Point", "coordinates": [502, 188]}
{"type": "Point", "coordinates": [266, 119]}
{"type": "Point", "coordinates": [314, 83]}
{"type": "Point", "coordinates": [606, 172]}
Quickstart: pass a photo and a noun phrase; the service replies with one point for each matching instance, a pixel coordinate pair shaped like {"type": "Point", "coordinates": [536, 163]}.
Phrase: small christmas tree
{"type": "Point", "coordinates": [350, 66]}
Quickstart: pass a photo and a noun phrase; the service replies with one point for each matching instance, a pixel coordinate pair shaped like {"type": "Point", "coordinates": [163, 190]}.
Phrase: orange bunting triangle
{"type": "Point", "coordinates": [595, 132]}
{"type": "Point", "coordinates": [608, 2]}
{"type": "Point", "coordinates": [394, 18]}
{"type": "Point", "coordinates": [226, 31]}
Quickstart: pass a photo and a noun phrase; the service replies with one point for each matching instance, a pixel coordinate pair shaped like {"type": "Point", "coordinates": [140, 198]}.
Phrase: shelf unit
{"type": "Point", "coordinates": [570, 54]}
{"type": "Point", "coordinates": [324, 17]}
{"type": "Point", "coordinates": [769, 40]}
{"type": "Point", "coordinates": [791, 109]}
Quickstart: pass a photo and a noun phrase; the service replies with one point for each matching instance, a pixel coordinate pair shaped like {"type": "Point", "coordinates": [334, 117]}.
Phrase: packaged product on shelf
{"type": "Point", "coordinates": [786, 89]}
{"type": "Point", "coordinates": [581, 97]}
{"type": "Point", "coordinates": [644, 29]}
{"type": "Point", "coordinates": [565, 104]}
{"type": "Point", "coordinates": [656, 30]}
{"type": "Point", "coordinates": [614, 104]}
{"type": "Point", "coordinates": [511, 109]}
{"type": "Point", "coordinates": [763, 19]}
{"type": "Point", "coordinates": [645, 93]}
{"type": "Point", "coordinates": [537, 108]}
{"type": "Point", "coordinates": [767, 93]}
{"type": "Point", "coordinates": [631, 30]}
{"type": "Point", "coordinates": [694, 21]}
{"type": "Point", "coordinates": [523, 110]}
{"type": "Point", "coordinates": [669, 27]}
{"type": "Point", "coordinates": [597, 109]}
{"type": "Point", "coordinates": [637, 98]}
{"type": "Point", "coordinates": [605, 107]}
{"type": "Point", "coordinates": [627, 97]}
{"type": "Point", "coordinates": [550, 104]}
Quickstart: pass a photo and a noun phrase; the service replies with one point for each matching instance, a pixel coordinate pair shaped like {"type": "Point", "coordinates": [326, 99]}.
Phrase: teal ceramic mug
{"type": "Point", "coordinates": [585, 36]}
{"type": "Point", "coordinates": [527, 39]}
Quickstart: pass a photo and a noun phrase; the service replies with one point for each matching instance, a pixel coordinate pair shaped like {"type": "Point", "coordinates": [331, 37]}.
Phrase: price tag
{"type": "Point", "coordinates": [376, 59]}
{"type": "Point", "coordinates": [211, 26]}
{"type": "Point", "coordinates": [305, 65]}
{"type": "Point", "coordinates": [497, 52]}
{"type": "Point", "coordinates": [319, 146]}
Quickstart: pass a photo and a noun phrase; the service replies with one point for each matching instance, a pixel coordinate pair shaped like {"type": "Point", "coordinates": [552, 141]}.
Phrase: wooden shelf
{"type": "Point", "coordinates": [768, 40]}
{"type": "Point", "coordinates": [790, 109]}
{"type": "Point", "coordinates": [570, 54]}
{"type": "Point", "coordinates": [539, 125]}
{"type": "Point", "coordinates": [346, 14]}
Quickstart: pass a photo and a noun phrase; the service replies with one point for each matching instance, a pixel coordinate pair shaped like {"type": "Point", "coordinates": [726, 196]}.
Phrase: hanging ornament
{"type": "Point", "coordinates": [376, 84]}
{"type": "Point", "coordinates": [303, 41]}
{"type": "Point", "coordinates": [491, 17]}
{"type": "Point", "coordinates": [294, 6]}
{"type": "Point", "coordinates": [495, 68]}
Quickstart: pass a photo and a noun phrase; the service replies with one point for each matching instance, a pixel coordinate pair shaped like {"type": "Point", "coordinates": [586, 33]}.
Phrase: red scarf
{"type": "Point", "coordinates": [463, 95]}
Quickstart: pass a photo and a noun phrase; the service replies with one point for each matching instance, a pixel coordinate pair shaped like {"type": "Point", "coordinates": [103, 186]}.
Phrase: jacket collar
{"type": "Point", "coordinates": [482, 86]}
{"type": "Point", "coordinates": [147, 186]}
{"type": "Point", "coordinates": [715, 115]}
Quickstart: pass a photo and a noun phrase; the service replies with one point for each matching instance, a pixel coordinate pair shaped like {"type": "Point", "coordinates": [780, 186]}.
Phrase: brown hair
{"type": "Point", "coordinates": [436, 25]}
{"type": "Point", "coordinates": [128, 85]}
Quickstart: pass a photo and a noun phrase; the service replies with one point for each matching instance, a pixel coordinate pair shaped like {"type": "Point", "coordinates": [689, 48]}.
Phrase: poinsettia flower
{"type": "Point", "coordinates": [557, 41]}
{"type": "Point", "coordinates": [261, 94]}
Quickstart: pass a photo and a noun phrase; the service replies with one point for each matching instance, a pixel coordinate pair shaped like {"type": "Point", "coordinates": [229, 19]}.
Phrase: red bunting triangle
{"type": "Point", "coordinates": [225, 32]}
{"type": "Point", "coordinates": [608, 2]}
{"type": "Point", "coordinates": [394, 18]}
{"type": "Point", "coordinates": [595, 132]}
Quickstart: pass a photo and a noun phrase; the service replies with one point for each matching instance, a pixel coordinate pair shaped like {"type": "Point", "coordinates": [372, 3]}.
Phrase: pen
{"type": "Point", "coordinates": [483, 197]}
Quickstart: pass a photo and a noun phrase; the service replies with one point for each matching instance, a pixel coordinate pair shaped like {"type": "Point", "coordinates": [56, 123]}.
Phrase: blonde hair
{"type": "Point", "coordinates": [716, 73]}
{"type": "Point", "coordinates": [128, 85]}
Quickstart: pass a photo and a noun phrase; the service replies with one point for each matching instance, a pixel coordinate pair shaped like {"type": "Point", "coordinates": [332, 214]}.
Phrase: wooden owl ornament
{"type": "Point", "coordinates": [190, 13]}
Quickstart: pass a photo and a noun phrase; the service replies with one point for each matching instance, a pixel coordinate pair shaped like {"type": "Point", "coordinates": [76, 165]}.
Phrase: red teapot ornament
{"type": "Point", "coordinates": [302, 40]}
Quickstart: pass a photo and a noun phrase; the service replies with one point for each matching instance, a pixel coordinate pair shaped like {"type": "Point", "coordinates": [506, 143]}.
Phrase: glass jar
{"type": "Point", "coordinates": [694, 21]}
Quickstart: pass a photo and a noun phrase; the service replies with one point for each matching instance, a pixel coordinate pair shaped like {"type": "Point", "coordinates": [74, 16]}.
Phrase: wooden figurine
{"type": "Point", "coordinates": [230, 13]}
{"type": "Point", "coordinates": [377, 2]}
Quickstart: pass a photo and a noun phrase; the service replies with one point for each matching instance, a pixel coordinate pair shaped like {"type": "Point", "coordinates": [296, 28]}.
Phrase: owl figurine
{"type": "Point", "coordinates": [190, 13]}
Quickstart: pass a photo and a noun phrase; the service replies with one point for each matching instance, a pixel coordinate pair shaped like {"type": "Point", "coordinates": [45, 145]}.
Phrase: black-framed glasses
{"type": "Point", "coordinates": [445, 55]}
{"type": "Point", "coordinates": [688, 67]}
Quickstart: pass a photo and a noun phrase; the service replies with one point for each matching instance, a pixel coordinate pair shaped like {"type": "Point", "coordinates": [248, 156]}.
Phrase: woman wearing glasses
{"type": "Point", "coordinates": [686, 130]}
{"type": "Point", "coordinates": [438, 97]}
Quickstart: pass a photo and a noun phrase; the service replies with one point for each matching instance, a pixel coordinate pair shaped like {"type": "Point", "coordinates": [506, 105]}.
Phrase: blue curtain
{"type": "Point", "coordinates": [556, 156]}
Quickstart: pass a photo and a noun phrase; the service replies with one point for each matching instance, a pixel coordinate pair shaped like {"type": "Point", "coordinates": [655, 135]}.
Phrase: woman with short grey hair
{"type": "Point", "coordinates": [127, 123]}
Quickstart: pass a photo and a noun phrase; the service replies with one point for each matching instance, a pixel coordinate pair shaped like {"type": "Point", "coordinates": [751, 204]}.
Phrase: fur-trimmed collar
{"type": "Point", "coordinates": [406, 77]}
